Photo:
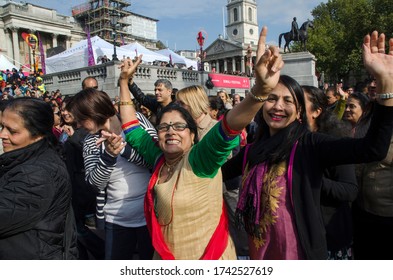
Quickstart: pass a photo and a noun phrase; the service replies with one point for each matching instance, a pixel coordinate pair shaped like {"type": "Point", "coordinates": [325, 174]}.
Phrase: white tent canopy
{"type": "Point", "coordinates": [178, 59]}
{"type": "Point", "coordinates": [136, 49]}
{"type": "Point", "coordinates": [78, 57]}
{"type": "Point", "coordinates": [6, 64]}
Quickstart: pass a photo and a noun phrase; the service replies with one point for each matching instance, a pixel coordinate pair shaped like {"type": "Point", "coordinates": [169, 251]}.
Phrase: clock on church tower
{"type": "Point", "coordinates": [242, 23]}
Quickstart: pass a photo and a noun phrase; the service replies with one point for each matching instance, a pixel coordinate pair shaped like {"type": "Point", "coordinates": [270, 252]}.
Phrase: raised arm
{"type": "Point", "coordinates": [147, 101]}
{"type": "Point", "coordinates": [267, 70]}
{"type": "Point", "coordinates": [380, 65]}
{"type": "Point", "coordinates": [127, 111]}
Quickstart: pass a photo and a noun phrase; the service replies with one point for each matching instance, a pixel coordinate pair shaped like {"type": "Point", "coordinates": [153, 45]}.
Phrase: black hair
{"type": "Point", "coordinates": [363, 99]}
{"type": "Point", "coordinates": [185, 115]}
{"type": "Point", "coordinates": [327, 122]}
{"type": "Point", "coordinates": [3, 104]}
{"type": "Point", "coordinates": [266, 147]}
{"type": "Point", "coordinates": [297, 93]}
{"type": "Point", "coordinates": [37, 116]}
{"type": "Point", "coordinates": [367, 106]}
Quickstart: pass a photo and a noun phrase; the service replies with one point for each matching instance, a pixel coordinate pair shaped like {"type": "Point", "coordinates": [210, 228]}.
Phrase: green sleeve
{"type": "Point", "coordinates": [141, 141]}
{"type": "Point", "coordinates": [340, 108]}
{"type": "Point", "coordinates": [207, 156]}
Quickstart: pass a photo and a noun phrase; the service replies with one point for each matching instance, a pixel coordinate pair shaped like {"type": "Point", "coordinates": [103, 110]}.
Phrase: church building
{"type": "Point", "coordinates": [234, 52]}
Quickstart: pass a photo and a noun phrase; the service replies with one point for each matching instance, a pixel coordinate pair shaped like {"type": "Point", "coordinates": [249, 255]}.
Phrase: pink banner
{"type": "Point", "coordinates": [228, 81]}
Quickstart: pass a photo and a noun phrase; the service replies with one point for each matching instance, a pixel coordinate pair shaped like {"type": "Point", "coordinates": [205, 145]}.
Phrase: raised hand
{"type": "Point", "coordinates": [128, 68]}
{"type": "Point", "coordinates": [378, 62]}
{"type": "Point", "coordinates": [268, 65]}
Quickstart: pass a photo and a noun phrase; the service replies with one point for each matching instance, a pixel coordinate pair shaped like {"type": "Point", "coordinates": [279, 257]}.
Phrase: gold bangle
{"type": "Point", "coordinates": [257, 98]}
{"type": "Point", "coordinates": [123, 103]}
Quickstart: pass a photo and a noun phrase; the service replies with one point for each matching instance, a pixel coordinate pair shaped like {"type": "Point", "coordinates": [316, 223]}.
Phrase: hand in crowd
{"type": "Point", "coordinates": [68, 129]}
{"type": "Point", "coordinates": [341, 92]}
{"type": "Point", "coordinates": [114, 143]}
{"type": "Point", "coordinates": [377, 62]}
{"type": "Point", "coordinates": [128, 68]}
{"type": "Point", "coordinates": [267, 67]}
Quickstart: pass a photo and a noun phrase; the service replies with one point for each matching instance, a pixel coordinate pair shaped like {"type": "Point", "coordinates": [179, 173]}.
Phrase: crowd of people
{"type": "Point", "coordinates": [288, 172]}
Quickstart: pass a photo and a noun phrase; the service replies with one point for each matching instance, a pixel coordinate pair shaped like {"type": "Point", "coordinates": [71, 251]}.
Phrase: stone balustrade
{"type": "Point", "coordinates": [70, 82]}
{"type": "Point", "coordinates": [300, 66]}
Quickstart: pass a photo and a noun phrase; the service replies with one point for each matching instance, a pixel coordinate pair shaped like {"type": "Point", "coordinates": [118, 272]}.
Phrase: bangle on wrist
{"type": "Point", "coordinates": [257, 98]}
{"type": "Point", "coordinates": [131, 123]}
{"type": "Point", "coordinates": [228, 130]}
{"type": "Point", "coordinates": [384, 96]}
{"type": "Point", "coordinates": [124, 103]}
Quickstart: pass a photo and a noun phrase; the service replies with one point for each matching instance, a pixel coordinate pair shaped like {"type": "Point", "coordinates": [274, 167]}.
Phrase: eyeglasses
{"type": "Point", "coordinates": [175, 126]}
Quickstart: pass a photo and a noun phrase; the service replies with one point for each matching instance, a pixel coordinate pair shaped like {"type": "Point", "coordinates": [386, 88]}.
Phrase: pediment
{"type": "Point", "coordinates": [222, 46]}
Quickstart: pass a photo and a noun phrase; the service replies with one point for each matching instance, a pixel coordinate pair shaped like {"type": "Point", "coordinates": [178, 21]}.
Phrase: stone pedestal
{"type": "Point", "coordinates": [301, 67]}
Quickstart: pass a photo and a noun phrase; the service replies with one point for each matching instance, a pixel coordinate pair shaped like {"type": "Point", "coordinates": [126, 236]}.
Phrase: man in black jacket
{"type": "Point", "coordinates": [163, 91]}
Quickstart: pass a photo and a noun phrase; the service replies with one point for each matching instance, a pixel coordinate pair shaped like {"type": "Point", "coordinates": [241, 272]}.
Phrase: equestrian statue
{"type": "Point", "coordinates": [296, 35]}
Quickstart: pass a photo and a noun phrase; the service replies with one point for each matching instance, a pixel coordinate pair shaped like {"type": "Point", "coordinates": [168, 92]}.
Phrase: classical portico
{"type": "Point", "coordinates": [54, 30]}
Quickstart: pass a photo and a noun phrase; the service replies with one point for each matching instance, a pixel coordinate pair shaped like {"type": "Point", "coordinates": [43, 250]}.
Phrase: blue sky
{"type": "Point", "coordinates": [180, 20]}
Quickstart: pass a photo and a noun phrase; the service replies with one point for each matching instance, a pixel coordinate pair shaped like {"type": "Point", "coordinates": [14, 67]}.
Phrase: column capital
{"type": "Point", "coordinates": [14, 29]}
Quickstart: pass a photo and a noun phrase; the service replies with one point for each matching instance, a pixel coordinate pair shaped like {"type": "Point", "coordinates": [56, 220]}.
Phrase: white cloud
{"type": "Point", "coordinates": [175, 9]}
{"type": "Point", "coordinates": [281, 12]}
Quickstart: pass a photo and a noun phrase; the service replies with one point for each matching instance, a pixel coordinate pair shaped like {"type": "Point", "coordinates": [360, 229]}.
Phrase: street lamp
{"type": "Point", "coordinates": [33, 45]}
{"type": "Point", "coordinates": [201, 42]}
{"type": "Point", "coordinates": [114, 16]}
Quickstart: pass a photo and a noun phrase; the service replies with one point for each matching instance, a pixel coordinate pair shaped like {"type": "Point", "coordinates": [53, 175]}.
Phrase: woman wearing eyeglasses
{"type": "Point", "coordinates": [184, 206]}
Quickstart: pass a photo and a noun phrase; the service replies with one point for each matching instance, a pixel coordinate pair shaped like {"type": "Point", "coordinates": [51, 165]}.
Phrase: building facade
{"type": "Point", "coordinates": [59, 32]}
{"type": "Point", "coordinates": [103, 16]}
{"type": "Point", "coordinates": [17, 19]}
{"type": "Point", "coordinates": [142, 29]}
{"type": "Point", "coordinates": [234, 52]}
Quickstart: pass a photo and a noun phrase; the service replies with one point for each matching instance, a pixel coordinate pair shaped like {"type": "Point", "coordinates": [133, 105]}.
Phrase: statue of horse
{"type": "Point", "coordinates": [303, 36]}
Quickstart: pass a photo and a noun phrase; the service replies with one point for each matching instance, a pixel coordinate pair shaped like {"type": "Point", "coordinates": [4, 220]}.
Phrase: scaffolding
{"type": "Point", "coordinates": [95, 15]}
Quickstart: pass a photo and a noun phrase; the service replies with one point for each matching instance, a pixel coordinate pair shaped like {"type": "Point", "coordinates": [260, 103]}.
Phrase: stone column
{"type": "Point", "coordinates": [8, 39]}
{"type": "Point", "coordinates": [54, 40]}
{"type": "Point", "coordinates": [68, 42]}
{"type": "Point", "coordinates": [234, 64]}
{"type": "Point", "coordinates": [225, 65]}
{"type": "Point", "coordinates": [15, 46]}
{"type": "Point", "coordinates": [243, 67]}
